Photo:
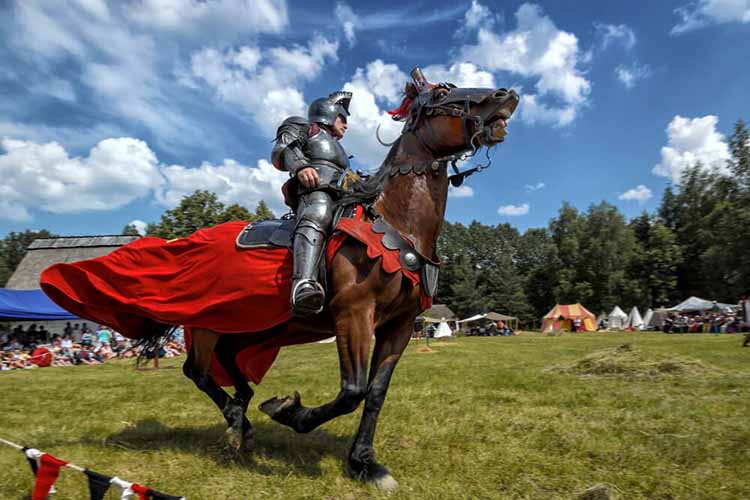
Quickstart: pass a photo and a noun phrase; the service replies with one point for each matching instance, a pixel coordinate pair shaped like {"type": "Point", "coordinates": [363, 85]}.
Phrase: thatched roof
{"type": "Point", "coordinates": [44, 252]}
{"type": "Point", "coordinates": [439, 311]}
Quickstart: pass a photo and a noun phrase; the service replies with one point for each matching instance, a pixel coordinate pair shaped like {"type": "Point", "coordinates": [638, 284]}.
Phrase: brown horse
{"type": "Point", "coordinates": [410, 192]}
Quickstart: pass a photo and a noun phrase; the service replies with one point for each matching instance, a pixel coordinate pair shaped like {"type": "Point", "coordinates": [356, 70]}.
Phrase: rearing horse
{"type": "Point", "coordinates": [408, 192]}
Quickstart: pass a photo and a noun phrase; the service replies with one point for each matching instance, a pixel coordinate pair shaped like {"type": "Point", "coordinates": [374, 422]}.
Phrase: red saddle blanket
{"type": "Point", "coordinates": [202, 280]}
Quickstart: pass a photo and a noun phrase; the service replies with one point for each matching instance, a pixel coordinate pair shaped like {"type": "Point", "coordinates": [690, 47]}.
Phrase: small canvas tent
{"type": "Point", "coordinates": [601, 319]}
{"type": "Point", "coordinates": [696, 304]}
{"type": "Point", "coordinates": [635, 322]}
{"type": "Point", "coordinates": [443, 330]}
{"type": "Point", "coordinates": [510, 321]}
{"type": "Point", "coordinates": [657, 318]}
{"type": "Point", "coordinates": [617, 319]}
{"type": "Point", "coordinates": [561, 317]}
{"type": "Point", "coordinates": [647, 318]}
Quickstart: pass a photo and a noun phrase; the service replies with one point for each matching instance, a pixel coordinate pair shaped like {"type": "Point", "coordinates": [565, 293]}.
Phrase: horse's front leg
{"type": "Point", "coordinates": [354, 332]}
{"type": "Point", "coordinates": [389, 346]}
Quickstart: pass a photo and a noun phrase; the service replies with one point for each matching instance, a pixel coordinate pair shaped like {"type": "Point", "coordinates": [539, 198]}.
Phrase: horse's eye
{"type": "Point", "coordinates": [441, 93]}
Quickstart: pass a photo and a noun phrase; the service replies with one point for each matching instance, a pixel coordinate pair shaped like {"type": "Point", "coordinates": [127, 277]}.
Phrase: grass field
{"type": "Point", "coordinates": [475, 418]}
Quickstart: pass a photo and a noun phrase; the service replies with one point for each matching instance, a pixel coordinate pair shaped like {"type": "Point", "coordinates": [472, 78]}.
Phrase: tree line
{"type": "Point", "coordinates": [693, 244]}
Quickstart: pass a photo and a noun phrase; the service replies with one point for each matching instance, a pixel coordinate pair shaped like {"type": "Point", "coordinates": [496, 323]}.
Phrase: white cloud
{"type": "Point", "coordinates": [263, 84]}
{"type": "Point", "coordinates": [629, 76]}
{"type": "Point", "coordinates": [118, 171]}
{"type": "Point", "coordinates": [462, 191]}
{"type": "Point", "coordinates": [115, 173]}
{"type": "Point", "coordinates": [477, 16]}
{"type": "Point", "coordinates": [127, 53]}
{"type": "Point", "coordinates": [641, 194]}
{"type": "Point", "coordinates": [231, 181]}
{"type": "Point", "coordinates": [611, 34]}
{"type": "Point", "coordinates": [367, 115]}
{"type": "Point", "coordinates": [409, 16]}
{"type": "Point", "coordinates": [691, 141]}
{"type": "Point", "coordinates": [536, 49]}
{"type": "Point", "coordinates": [514, 210]}
{"type": "Point", "coordinates": [349, 22]}
{"type": "Point", "coordinates": [534, 187]}
{"type": "Point", "coordinates": [222, 17]}
{"type": "Point", "coordinates": [460, 74]}
{"type": "Point", "coordinates": [705, 12]}
{"type": "Point", "coordinates": [55, 87]}
{"type": "Point", "coordinates": [139, 225]}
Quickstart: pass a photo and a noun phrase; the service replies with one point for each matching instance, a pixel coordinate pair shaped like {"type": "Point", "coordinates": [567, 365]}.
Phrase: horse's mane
{"type": "Point", "coordinates": [367, 191]}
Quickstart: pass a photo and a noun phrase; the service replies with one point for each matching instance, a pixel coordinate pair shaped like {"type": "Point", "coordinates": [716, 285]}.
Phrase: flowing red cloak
{"type": "Point", "coordinates": [200, 281]}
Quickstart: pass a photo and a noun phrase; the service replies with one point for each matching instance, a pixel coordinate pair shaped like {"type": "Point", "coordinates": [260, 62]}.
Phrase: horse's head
{"type": "Point", "coordinates": [448, 119]}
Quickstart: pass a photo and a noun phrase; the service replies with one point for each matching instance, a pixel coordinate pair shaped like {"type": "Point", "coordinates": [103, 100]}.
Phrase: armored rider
{"type": "Point", "coordinates": [310, 151]}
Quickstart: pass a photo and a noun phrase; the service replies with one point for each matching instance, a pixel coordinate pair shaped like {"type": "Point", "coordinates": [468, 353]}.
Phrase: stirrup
{"type": "Point", "coordinates": [312, 302]}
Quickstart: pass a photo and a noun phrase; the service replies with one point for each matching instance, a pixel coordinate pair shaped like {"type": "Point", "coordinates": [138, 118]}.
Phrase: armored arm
{"type": "Point", "coordinates": [287, 153]}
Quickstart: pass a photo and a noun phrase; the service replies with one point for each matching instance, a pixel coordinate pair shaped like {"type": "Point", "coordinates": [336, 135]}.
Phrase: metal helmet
{"type": "Point", "coordinates": [326, 109]}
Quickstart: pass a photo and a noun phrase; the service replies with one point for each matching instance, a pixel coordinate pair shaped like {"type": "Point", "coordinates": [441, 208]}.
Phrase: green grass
{"type": "Point", "coordinates": [477, 418]}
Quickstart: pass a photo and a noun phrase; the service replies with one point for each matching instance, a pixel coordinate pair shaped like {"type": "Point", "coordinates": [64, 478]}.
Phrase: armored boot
{"type": "Point", "coordinates": [314, 221]}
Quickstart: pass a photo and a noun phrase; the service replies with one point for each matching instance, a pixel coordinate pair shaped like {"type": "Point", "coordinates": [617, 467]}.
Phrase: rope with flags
{"type": "Point", "coordinates": [46, 469]}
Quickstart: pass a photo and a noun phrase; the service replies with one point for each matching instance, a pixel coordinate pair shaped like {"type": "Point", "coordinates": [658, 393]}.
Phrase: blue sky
{"type": "Point", "coordinates": [110, 112]}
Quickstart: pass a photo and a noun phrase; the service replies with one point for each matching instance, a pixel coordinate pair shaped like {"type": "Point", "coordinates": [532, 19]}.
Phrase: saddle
{"type": "Point", "coordinates": [274, 233]}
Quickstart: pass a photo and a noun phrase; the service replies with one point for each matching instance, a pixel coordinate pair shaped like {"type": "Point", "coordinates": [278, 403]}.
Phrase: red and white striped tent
{"type": "Point", "coordinates": [561, 318]}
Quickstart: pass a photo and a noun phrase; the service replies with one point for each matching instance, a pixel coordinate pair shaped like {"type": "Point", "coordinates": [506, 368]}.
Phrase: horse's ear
{"type": "Point", "coordinates": [410, 90]}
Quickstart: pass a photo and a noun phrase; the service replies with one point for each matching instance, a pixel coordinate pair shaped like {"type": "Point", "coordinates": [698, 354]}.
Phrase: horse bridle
{"type": "Point", "coordinates": [473, 128]}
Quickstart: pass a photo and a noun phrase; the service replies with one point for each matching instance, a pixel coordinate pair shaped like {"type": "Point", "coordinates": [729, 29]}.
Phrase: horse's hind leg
{"type": "Point", "coordinates": [240, 432]}
{"type": "Point", "coordinates": [197, 367]}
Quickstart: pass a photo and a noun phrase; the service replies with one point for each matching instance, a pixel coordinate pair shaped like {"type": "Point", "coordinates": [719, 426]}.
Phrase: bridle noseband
{"type": "Point", "coordinates": [473, 127]}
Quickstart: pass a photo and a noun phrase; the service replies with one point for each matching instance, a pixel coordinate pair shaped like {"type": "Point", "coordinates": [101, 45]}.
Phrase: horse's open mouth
{"type": "Point", "coordinates": [496, 126]}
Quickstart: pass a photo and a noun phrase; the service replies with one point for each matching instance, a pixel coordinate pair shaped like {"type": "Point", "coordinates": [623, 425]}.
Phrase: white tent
{"type": "Point", "coordinates": [695, 304]}
{"type": "Point", "coordinates": [634, 319]}
{"type": "Point", "coordinates": [647, 318]}
{"type": "Point", "coordinates": [617, 319]}
{"type": "Point", "coordinates": [601, 320]}
{"type": "Point", "coordinates": [443, 330]}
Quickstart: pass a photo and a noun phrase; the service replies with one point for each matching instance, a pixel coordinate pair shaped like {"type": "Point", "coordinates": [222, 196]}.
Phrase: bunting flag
{"type": "Point", "coordinates": [141, 491]}
{"type": "Point", "coordinates": [46, 469]}
{"type": "Point", "coordinates": [98, 484]}
{"type": "Point", "coordinates": [49, 469]}
{"type": "Point", "coordinates": [32, 455]}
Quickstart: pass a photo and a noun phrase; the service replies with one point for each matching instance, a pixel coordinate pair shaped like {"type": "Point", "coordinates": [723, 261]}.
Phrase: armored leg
{"type": "Point", "coordinates": [314, 219]}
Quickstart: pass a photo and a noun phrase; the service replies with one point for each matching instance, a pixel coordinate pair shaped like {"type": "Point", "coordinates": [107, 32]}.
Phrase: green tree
{"type": "Point", "coordinates": [13, 248]}
{"type": "Point", "coordinates": [262, 212]}
{"type": "Point", "coordinates": [198, 210]}
{"type": "Point", "coordinates": [130, 230]}
{"type": "Point", "coordinates": [663, 257]}
{"type": "Point", "coordinates": [235, 212]}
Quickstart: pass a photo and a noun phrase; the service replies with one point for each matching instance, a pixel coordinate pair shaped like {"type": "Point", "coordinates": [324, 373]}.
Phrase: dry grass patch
{"type": "Point", "coordinates": [628, 361]}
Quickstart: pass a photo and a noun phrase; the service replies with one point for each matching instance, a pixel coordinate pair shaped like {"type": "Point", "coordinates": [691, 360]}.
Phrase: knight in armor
{"type": "Point", "coordinates": [310, 151]}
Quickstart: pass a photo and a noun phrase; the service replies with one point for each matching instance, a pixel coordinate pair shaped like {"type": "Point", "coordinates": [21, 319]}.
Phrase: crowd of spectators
{"type": "Point", "coordinates": [713, 322]}
{"type": "Point", "coordinates": [78, 345]}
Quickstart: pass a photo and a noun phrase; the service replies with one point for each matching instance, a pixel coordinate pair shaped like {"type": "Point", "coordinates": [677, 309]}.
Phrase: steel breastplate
{"type": "Point", "coordinates": [324, 151]}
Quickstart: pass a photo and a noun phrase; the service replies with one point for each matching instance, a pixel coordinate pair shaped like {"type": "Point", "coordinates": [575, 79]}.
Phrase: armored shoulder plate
{"type": "Point", "coordinates": [290, 137]}
{"type": "Point", "coordinates": [322, 148]}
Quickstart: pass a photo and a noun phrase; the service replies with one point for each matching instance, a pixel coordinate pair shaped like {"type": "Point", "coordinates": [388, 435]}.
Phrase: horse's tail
{"type": "Point", "coordinates": [156, 337]}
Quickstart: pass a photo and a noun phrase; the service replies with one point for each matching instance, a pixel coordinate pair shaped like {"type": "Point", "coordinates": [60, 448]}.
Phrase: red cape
{"type": "Point", "coordinates": [202, 280]}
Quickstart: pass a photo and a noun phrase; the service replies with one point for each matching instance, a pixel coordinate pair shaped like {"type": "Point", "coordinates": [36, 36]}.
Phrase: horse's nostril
{"type": "Point", "coordinates": [500, 94]}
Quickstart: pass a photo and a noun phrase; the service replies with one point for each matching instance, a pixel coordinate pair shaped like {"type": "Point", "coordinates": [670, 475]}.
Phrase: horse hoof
{"type": "Point", "coordinates": [386, 483]}
{"type": "Point", "coordinates": [233, 439]}
{"type": "Point", "coordinates": [276, 407]}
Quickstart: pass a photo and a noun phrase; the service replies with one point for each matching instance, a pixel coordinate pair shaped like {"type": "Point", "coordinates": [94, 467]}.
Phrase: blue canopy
{"type": "Point", "coordinates": [29, 305]}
